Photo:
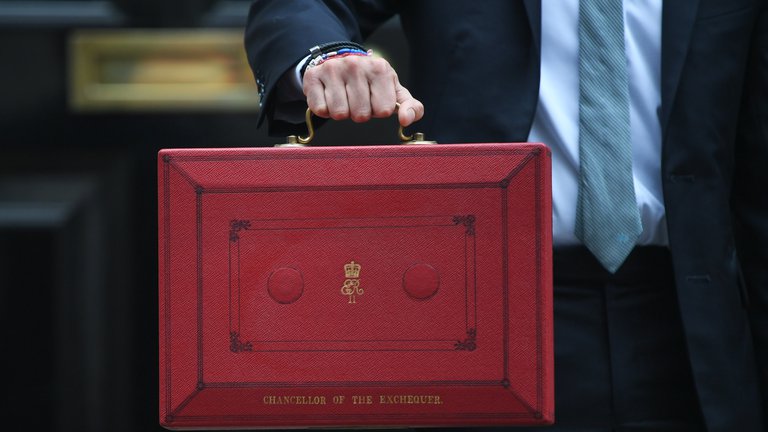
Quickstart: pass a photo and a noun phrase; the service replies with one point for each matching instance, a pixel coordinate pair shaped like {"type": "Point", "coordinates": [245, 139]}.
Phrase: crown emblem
{"type": "Point", "coordinates": [352, 270]}
{"type": "Point", "coordinates": [351, 287]}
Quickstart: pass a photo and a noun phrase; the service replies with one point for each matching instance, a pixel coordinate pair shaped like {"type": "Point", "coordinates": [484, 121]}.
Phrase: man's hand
{"type": "Point", "coordinates": [358, 87]}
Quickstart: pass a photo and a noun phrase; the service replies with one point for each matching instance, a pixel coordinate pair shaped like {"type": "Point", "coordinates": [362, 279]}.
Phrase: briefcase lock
{"type": "Point", "coordinates": [301, 141]}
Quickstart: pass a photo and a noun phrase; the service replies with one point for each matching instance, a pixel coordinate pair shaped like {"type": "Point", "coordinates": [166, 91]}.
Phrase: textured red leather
{"type": "Point", "coordinates": [365, 286]}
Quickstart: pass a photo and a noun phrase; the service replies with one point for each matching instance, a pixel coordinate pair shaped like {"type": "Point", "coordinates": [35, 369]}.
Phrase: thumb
{"type": "Point", "coordinates": [411, 109]}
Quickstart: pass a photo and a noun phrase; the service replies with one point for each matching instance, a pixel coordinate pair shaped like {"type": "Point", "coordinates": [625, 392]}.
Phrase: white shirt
{"type": "Point", "coordinates": [556, 122]}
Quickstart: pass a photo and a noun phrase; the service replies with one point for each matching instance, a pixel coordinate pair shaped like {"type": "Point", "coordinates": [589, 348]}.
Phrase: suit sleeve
{"type": "Point", "coordinates": [750, 196]}
{"type": "Point", "coordinates": [279, 34]}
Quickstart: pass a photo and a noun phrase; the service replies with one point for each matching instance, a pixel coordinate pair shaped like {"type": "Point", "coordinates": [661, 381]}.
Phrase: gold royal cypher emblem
{"type": "Point", "coordinates": [351, 285]}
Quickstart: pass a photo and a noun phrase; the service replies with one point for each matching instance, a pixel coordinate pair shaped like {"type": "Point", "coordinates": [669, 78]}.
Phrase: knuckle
{"type": "Point", "coordinates": [386, 111]}
{"type": "Point", "coordinates": [338, 114]}
{"type": "Point", "coordinates": [328, 69]}
{"type": "Point", "coordinates": [309, 75]}
{"type": "Point", "coordinates": [319, 109]}
{"type": "Point", "coordinates": [360, 116]}
{"type": "Point", "coordinates": [350, 64]}
{"type": "Point", "coordinates": [325, 72]}
{"type": "Point", "coordinates": [316, 105]}
{"type": "Point", "coordinates": [380, 66]}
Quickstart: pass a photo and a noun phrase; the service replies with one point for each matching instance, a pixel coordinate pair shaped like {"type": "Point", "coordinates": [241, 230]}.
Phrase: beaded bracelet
{"type": "Point", "coordinates": [330, 47]}
{"type": "Point", "coordinates": [345, 52]}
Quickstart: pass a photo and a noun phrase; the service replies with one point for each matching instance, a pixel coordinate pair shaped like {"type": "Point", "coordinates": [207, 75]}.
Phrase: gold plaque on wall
{"type": "Point", "coordinates": [160, 70]}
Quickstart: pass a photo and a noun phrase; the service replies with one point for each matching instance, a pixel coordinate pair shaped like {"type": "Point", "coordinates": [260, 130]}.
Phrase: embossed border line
{"type": "Point", "coordinates": [238, 342]}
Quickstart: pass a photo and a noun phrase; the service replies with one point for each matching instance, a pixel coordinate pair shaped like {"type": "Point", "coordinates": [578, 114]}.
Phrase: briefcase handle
{"type": "Point", "coordinates": [300, 141]}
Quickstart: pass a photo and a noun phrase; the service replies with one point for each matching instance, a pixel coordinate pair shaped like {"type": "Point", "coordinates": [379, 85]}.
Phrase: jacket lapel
{"type": "Point", "coordinates": [676, 27]}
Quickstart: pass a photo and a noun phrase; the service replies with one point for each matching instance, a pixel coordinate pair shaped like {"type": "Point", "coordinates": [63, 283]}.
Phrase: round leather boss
{"type": "Point", "coordinates": [285, 285]}
{"type": "Point", "coordinates": [421, 281]}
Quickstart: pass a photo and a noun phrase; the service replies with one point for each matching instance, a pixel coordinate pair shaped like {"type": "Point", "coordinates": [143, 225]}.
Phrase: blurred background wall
{"type": "Point", "coordinates": [78, 211]}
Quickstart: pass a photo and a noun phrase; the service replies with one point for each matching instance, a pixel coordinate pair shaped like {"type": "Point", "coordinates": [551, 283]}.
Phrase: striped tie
{"type": "Point", "coordinates": [607, 218]}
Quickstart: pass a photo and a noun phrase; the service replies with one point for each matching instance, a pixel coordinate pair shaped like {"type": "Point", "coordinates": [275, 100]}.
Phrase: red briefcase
{"type": "Point", "coordinates": [355, 286]}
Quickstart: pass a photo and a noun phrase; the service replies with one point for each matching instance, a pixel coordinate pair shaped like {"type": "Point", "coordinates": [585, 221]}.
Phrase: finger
{"type": "Point", "coordinates": [338, 107]}
{"type": "Point", "coordinates": [358, 91]}
{"type": "Point", "coordinates": [314, 90]}
{"type": "Point", "coordinates": [335, 91]}
{"type": "Point", "coordinates": [383, 80]}
{"type": "Point", "coordinates": [411, 109]}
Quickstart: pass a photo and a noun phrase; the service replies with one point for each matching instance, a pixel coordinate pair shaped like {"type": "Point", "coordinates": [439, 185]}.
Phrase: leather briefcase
{"type": "Point", "coordinates": [404, 285]}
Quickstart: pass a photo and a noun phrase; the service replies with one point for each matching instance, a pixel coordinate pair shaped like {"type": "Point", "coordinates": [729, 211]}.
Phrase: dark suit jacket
{"type": "Point", "coordinates": [714, 117]}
